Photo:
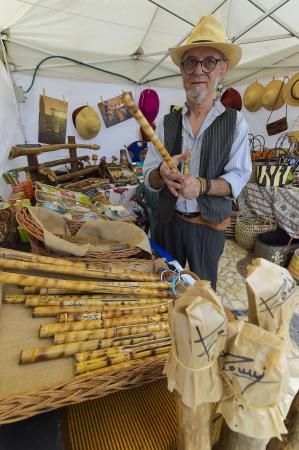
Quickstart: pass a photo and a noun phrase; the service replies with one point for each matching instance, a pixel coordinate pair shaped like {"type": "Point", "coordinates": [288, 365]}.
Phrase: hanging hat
{"type": "Point", "coordinates": [86, 122]}
{"type": "Point", "coordinates": [273, 96]}
{"type": "Point", "coordinates": [253, 95]}
{"type": "Point", "coordinates": [209, 32]}
{"type": "Point", "coordinates": [231, 98]}
{"type": "Point", "coordinates": [149, 104]}
{"type": "Point", "coordinates": [291, 91]}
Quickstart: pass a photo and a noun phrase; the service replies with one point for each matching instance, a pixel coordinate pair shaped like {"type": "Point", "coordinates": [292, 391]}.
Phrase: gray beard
{"type": "Point", "coordinates": [196, 96]}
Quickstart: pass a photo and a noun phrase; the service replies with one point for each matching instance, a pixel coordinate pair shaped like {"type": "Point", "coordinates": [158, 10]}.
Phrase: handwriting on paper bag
{"type": "Point", "coordinates": [210, 339]}
{"type": "Point", "coordinates": [279, 297]}
{"type": "Point", "coordinates": [231, 364]}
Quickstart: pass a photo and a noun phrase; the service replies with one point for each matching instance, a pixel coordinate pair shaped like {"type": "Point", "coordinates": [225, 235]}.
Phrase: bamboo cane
{"type": "Point", "coordinates": [84, 302]}
{"type": "Point", "coordinates": [29, 266]}
{"type": "Point", "coordinates": [51, 329]}
{"type": "Point", "coordinates": [106, 333]}
{"type": "Point", "coordinates": [29, 280]}
{"type": "Point", "coordinates": [22, 151]}
{"type": "Point", "coordinates": [50, 291]}
{"type": "Point", "coordinates": [31, 355]}
{"type": "Point", "coordinates": [19, 298]}
{"type": "Point", "coordinates": [133, 109]}
{"type": "Point", "coordinates": [87, 356]}
{"type": "Point", "coordinates": [132, 340]}
{"type": "Point", "coordinates": [186, 166]}
{"type": "Point", "coordinates": [31, 290]}
{"type": "Point", "coordinates": [52, 311]}
{"type": "Point", "coordinates": [97, 267]}
{"type": "Point", "coordinates": [122, 365]}
{"type": "Point", "coordinates": [90, 366]}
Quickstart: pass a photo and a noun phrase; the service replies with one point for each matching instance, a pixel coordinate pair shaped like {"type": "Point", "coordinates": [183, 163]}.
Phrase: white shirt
{"type": "Point", "coordinates": [236, 172]}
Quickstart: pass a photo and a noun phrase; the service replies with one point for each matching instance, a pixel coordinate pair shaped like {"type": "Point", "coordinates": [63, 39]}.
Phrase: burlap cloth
{"type": "Point", "coordinates": [54, 224]}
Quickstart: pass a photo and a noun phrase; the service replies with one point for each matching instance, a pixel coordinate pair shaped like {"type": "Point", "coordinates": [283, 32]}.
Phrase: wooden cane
{"type": "Point", "coordinates": [51, 329]}
{"type": "Point", "coordinates": [87, 356]}
{"type": "Point", "coordinates": [133, 109]}
{"type": "Point", "coordinates": [69, 301]}
{"type": "Point", "coordinates": [105, 361]}
{"type": "Point", "coordinates": [45, 353]}
{"type": "Point", "coordinates": [23, 151]}
{"type": "Point", "coordinates": [89, 335]}
{"type": "Point", "coordinates": [28, 280]}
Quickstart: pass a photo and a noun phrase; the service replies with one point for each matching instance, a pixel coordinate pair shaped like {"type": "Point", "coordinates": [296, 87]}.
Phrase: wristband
{"type": "Point", "coordinates": [209, 184]}
{"type": "Point", "coordinates": [158, 169]}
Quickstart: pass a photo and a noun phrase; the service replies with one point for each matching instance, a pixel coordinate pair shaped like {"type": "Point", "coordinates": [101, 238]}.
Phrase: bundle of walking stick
{"type": "Point", "coordinates": [106, 318]}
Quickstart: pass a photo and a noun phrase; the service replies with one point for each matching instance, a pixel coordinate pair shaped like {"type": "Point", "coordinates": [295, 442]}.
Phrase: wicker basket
{"type": "Point", "coordinates": [276, 246]}
{"type": "Point", "coordinates": [248, 227]}
{"type": "Point", "coordinates": [37, 239]}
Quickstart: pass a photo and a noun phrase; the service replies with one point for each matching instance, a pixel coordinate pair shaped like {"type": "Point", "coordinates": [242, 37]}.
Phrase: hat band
{"type": "Point", "coordinates": [195, 42]}
{"type": "Point", "coordinates": [292, 90]}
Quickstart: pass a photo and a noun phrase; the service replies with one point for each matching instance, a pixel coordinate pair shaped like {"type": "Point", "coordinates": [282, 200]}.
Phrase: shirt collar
{"type": "Point", "coordinates": [217, 108]}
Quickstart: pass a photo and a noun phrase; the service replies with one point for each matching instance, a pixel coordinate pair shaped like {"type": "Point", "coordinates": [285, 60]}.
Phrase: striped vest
{"type": "Point", "coordinates": [215, 152]}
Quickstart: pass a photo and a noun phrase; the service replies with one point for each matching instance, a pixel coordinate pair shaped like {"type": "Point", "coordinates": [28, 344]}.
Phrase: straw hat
{"type": "Point", "coordinates": [86, 122]}
{"type": "Point", "coordinates": [231, 98]}
{"type": "Point", "coordinates": [273, 96]}
{"type": "Point", "coordinates": [291, 91]}
{"type": "Point", "coordinates": [209, 32]}
{"type": "Point", "coordinates": [252, 98]}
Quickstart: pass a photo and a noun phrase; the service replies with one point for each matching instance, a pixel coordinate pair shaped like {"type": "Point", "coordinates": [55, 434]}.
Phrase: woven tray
{"type": "Point", "coordinates": [36, 237]}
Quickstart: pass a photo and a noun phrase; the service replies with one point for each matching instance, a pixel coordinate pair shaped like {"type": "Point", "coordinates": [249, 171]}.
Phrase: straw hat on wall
{"type": "Point", "coordinates": [208, 32]}
{"type": "Point", "coordinates": [253, 95]}
{"type": "Point", "coordinates": [86, 121]}
{"type": "Point", "coordinates": [291, 91]}
{"type": "Point", "coordinates": [273, 96]}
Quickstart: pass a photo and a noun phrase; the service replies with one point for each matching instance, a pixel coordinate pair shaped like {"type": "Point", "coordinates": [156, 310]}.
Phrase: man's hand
{"type": "Point", "coordinates": [171, 179]}
{"type": "Point", "coordinates": [190, 187]}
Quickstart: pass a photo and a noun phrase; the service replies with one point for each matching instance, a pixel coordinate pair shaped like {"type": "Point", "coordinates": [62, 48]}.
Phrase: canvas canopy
{"type": "Point", "coordinates": [130, 38]}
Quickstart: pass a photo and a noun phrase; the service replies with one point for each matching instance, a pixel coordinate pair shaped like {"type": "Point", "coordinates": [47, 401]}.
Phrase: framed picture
{"type": "Point", "coordinates": [114, 111]}
{"type": "Point", "coordinates": [52, 120]}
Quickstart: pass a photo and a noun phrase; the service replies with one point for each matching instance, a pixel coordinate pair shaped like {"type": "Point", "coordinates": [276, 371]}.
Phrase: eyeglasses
{"type": "Point", "coordinates": [207, 64]}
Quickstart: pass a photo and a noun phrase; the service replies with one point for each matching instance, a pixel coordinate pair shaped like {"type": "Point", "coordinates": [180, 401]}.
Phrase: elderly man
{"type": "Point", "coordinates": [195, 209]}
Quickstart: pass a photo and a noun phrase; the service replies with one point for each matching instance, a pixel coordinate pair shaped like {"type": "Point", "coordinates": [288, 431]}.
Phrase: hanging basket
{"type": "Point", "coordinates": [276, 246]}
{"type": "Point", "coordinates": [248, 227]}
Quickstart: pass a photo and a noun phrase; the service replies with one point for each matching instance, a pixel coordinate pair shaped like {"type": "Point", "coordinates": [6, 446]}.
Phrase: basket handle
{"type": "Point", "coordinates": [270, 219]}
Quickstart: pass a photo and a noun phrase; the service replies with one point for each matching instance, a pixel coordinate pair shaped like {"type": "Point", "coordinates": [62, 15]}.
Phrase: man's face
{"type": "Point", "coordinates": [199, 84]}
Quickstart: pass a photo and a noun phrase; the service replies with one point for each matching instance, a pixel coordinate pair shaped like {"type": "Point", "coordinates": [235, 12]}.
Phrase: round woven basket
{"type": "Point", "coordinates": [37, 240]}
{"type": "Point", "coordinates": [247, 228]}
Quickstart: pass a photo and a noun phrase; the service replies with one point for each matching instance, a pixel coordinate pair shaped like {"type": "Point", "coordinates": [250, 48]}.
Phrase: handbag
{"type": "Point", "coordinates": [280, 125]}
{"type": "Point", "coordinates": [273, 175]}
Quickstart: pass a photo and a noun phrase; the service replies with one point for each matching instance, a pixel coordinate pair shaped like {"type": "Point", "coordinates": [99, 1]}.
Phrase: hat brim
{"type": "Point", "coordinates": [287, 94]}
{"type": "Point", "coordinates": [232, 52]}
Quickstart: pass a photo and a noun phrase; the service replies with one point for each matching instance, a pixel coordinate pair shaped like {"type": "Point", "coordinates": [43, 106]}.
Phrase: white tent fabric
{"type": "Point", "coordinates": [131, 37]}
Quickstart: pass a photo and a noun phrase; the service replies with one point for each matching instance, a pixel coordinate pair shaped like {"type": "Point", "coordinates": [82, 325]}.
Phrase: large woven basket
{"type": "Point", "coordinates": [248, 227]}
{"type": "Point", "coordinates": [276, 246]}
{"type": "Point", "coordinates": [37, 240]}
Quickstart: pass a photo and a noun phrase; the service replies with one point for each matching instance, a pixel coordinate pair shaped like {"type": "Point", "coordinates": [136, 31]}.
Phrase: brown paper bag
{"type": "Point", "coordinates": [198, 331]}
{"type": "Point", "coordinates": [272, 294]}
{"type": "Point", "coordinates": [255, 371]}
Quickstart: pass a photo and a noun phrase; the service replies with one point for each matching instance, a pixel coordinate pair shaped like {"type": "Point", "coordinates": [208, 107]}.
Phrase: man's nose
{"type": "Point", "coordinates": [198, 69]}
